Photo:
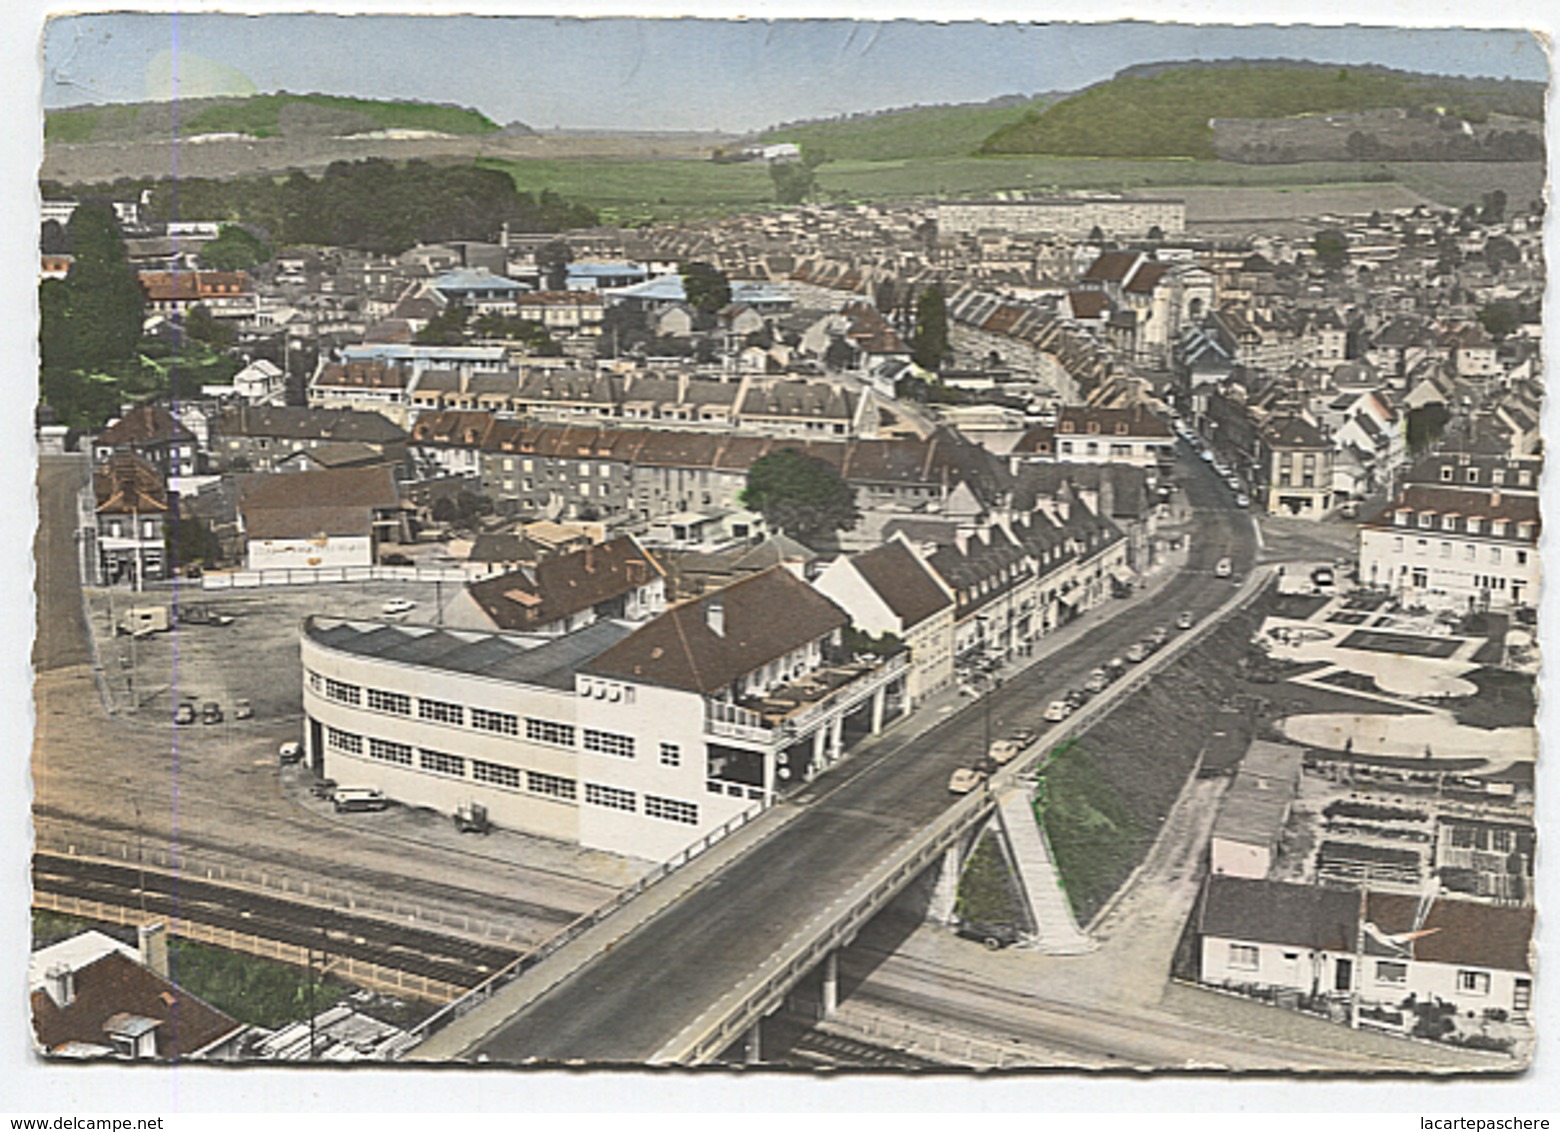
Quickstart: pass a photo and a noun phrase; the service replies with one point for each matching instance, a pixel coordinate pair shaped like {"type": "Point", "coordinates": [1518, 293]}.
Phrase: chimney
{"type": "Point", "coordinates": [1495, 498]}
{"type": "Point", "coordinates": [59, 981]}
{"type": "Point", "coordinates": [715, 616]}
{"type": "Point", "coordinates": [153, 941]}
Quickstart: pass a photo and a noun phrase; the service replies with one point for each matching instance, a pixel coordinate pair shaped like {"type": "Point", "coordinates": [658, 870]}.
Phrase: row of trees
{"type": "Point", "coordinates": [372, 205]}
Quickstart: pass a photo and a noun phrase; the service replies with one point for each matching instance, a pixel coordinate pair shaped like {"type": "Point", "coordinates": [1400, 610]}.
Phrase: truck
{"type": "Point", "coordinates": [140, 620]}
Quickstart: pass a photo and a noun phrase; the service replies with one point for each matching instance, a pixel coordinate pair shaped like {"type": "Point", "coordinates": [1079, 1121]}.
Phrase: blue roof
{"type": "Point", "coordinates": [669, 289]}
{"type": "Point", "coordinates": [595, 270]}
{"type": "Point", "coordinates": [474, 279]}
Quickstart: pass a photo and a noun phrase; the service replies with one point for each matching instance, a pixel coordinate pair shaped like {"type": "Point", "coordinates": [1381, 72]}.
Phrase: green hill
{"type": "Point", "coordinates": [1167, 114]}
{"type": "Point", "coordinates": [260, 116]}
{"type": "Point", "coordinates": [899, 135]}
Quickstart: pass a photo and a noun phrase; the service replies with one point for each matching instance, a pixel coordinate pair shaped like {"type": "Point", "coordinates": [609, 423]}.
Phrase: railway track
{"type": "Point", "coordinates": [407, 948]}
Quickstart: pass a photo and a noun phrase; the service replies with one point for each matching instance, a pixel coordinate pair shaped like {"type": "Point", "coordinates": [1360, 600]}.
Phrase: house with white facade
{"type": "Point", "coordinates": [889, 589]}
{"type": "Point", "coordinates": [1270, 936]}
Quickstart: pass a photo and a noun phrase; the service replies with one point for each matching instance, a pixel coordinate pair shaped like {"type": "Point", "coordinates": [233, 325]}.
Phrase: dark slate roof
{"type": "Point", "coordinates": [1262, 911]}
{"type": "Point", "coordinates": [899, 578]}
{"type": "Point", "coordinates": [308, 424]}
{"type": "Point", "coordinates": [144, 425]}
{"type": "Point", "coordinates": [766, 616]}
{"type": "Point", "coordinates": [118, 985]}
{"type": "Point", "coordinates": [498, 656]}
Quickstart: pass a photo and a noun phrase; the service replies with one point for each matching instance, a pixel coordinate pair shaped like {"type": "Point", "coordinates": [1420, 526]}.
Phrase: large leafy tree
{"type": "Point", "coordinates": [706, 288]}
{"type": "Point", "coordinates": [803, 497]}
{"type": "Point", "coordinates": [234, 249]}
{"type": "Point", "coordinates": [930, 346]}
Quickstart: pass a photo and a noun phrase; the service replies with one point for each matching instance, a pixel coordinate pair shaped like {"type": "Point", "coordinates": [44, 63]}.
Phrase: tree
{"type": "Point", "coordinates": [794, 181]}
{"type": "Point", "coordinates": [1499, 318]}
{"type": "Point", "coordinates": [1494, 211]}
{"type": "Point", "coordinates": [705, 288]}
{"type": "Point", "coordinates": [930, 344]}
{"type": "Point", "coordinates": [1425, 425]}
{"type": "Point", "coordinates": [803, 497]}
{"type": "Point", "coordinates": [447, 328]}
{"type": "Point", "coordinates": [1331, 247]}
{"type": "Point", "coordinates": [234, 249]}
{"type": "Point", "coordinates": [553, 259]}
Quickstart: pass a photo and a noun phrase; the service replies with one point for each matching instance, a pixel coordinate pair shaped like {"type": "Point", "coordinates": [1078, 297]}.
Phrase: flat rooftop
{"type": "Point", "coordinates": [498, 656]}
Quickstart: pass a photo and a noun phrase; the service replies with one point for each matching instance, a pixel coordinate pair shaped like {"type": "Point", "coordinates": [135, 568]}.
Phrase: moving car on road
{"type": "Point", "coordinates": [965, 779]}
{"type": "Point", "coordinates": [398, 605]}
{"type": "Point", "coordinates": [1224, 568]}
{"type": "Point", "coordinates": [1185, 621]}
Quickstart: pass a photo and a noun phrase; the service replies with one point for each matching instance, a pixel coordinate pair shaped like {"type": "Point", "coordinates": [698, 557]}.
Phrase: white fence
{"type": "Point", "coordinates": [304, 576]}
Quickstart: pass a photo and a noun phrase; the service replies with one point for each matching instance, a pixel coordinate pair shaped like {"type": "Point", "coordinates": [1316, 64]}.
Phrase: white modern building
{"type": "Point", "coordinates": [634, 739]}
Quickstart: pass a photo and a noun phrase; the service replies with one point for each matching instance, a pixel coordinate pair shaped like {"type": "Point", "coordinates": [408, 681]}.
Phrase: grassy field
{"type": "Point", "coordinates": [671, 190]}
{"type": "Point", "coordinates": [937, 131]}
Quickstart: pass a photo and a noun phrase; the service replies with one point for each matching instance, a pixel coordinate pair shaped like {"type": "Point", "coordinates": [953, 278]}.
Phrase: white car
{"type": "Point", "coordinates": [398, 605]}
{"type": "Point", "coordinates": [290, 753]}
{"type": "Point", "coordinates": [963, 780]}
{"type": "Point", "coordinates": [1242, 499]}
{"type": "Point", "coordinates": [1058, 711]}
{"type": "Point", "coordinates": [1205, 454]}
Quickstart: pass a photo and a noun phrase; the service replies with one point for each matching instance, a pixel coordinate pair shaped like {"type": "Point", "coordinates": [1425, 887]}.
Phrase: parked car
{"type": "Point", "coordinates": [965, 779]}
{"type": "Point", "coordinates": [324, 788]}
{"type": "Point", "coordinates": [1077, 698]}
{"type": "Point", "coordinates": [1058, 711]}
{"type": "Point", "coordinates": [1185, 621]}
{"type": "Point", "coordinates": [1323, 579]}
{"type": "Point", "coordinates": [211, 712]}
{"type": "Point", "coordinates": [994, 937]}
{"type": "Point", "coordinates": [359, 799]}
{"type": "Point", "coordinates": [290, 753]}
{"type": "Point", "coordinates": [1242, 499]}
{"type": "Point", "coordinates": [1097, 680]}
{"type": "Point", "coordinates": [1224, 568]}
{"type": "Point", "coordinates": [1115, 666]}
{"type": "Point", "coordinates": [394, 560]}
{"type": "Point", "coordinates": [472, 817]}
{"type": "Point", "coordinates": [1160, 636]}
{"type": "Point", "coordinates": [184, 713]}
{"type": "Point", "coordinates": [242, 709]}
{"type": "Point", "coordinates": [219, 619]}
{"type": "Point", "coordinates": [1138, 653]}
{"type": "Point", "coordinates": [398, 605]}
{"type": "Point", "coordinates": [1023, 736]}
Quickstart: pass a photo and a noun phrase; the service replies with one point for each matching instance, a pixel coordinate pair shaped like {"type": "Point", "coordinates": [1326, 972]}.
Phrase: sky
{"type": "Point", "coordinates": [693, 74]}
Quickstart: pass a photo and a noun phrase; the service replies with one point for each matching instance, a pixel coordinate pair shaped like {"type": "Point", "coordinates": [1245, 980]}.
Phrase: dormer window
{"type": "Point", "coordinates": [1400, 518]}
{"type": "Point", "coordinates": [1473, 475]}
{"type": "Point", "coordinates": [1426, 519]}
{"type": "Point", "coordinates": [1498, 528]}
{"type": "Point", "coordinates": [1448, 522]}
{"type": "Point", "coordinates": [1121, 428]}
{"type": "Point", "coordinates": [1498, 477]}
{"type": "Point", "coordinates": [1446, 474]}
{"type": "Point", "coordinates": [1473, 526]}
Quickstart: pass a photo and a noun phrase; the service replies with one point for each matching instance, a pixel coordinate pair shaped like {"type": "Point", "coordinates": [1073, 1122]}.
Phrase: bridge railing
{"type": "Point", "coordinates": [501, 978]}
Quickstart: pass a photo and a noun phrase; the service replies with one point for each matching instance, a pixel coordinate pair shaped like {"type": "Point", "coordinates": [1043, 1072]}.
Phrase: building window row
{"type": "Point", "coordinates": [495, 774]}
{"type": "Point", "coordinates": [386, 751]}
{"type": "Point", "coordinates": [440, 712]}
{"type": "Point", "coordinates": [546, 731]}
{"type": "Point", "coordinates": [397, 703]}
{"type": "Point", "coordinates": [440, 763]}
{"type": "Point", "coordinates": [609, 743]}
{"type": "Point", "coordinates": [498, 722]}
{"type": "Point", "coordinates": [343, 693]}
{"type": "Point", "coordinates": [344, 741]}
{"type": "Point", "coordinates": [550, 785]}
{"type": "Point", "coordinates": [610, 797]}
{"type": "Point", "coordinates": [670, 809]}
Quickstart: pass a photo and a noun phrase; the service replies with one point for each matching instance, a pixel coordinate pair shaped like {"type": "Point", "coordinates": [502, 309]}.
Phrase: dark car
{"type": "Point", "coordinates": [1076, 698]}
{"type": "Point", "coordinates": [994, 937]}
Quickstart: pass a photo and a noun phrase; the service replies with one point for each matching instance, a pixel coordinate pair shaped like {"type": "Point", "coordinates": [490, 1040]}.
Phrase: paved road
{"type": "Point", "coordinates": [216, 794]}
{"type": "Point", "coordinates": [627, 1004]}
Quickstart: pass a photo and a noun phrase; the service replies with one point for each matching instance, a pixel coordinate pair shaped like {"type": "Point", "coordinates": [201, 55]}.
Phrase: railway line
{"type": "Point", "coordinates": [407, 948]}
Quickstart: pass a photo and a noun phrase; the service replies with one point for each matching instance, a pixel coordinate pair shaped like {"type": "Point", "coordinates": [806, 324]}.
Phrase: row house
{"type": "Point", "coordinates": [1297, 461]}
{"type": "Point", "coordinates": [563, 312]}
{"type": "Point", "coordinates": [1378, 950]}
{"type": "Point", "coordinates": [1459, 548]}
{"type": "Point", "coordinates": [889, 590]}
{"type": "Point", "coordinates": [633, 737]}
{"type": "Point", "coordinates": [257, 438]}
{"type": "Point", "coordinates": [224, 294]}
{"type": "Point", "coordinates": [1087, 434]}
{"type": "Point", "coordinates": [130, 509]}
{"type": "Point", "coordinates": [152, 433]}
